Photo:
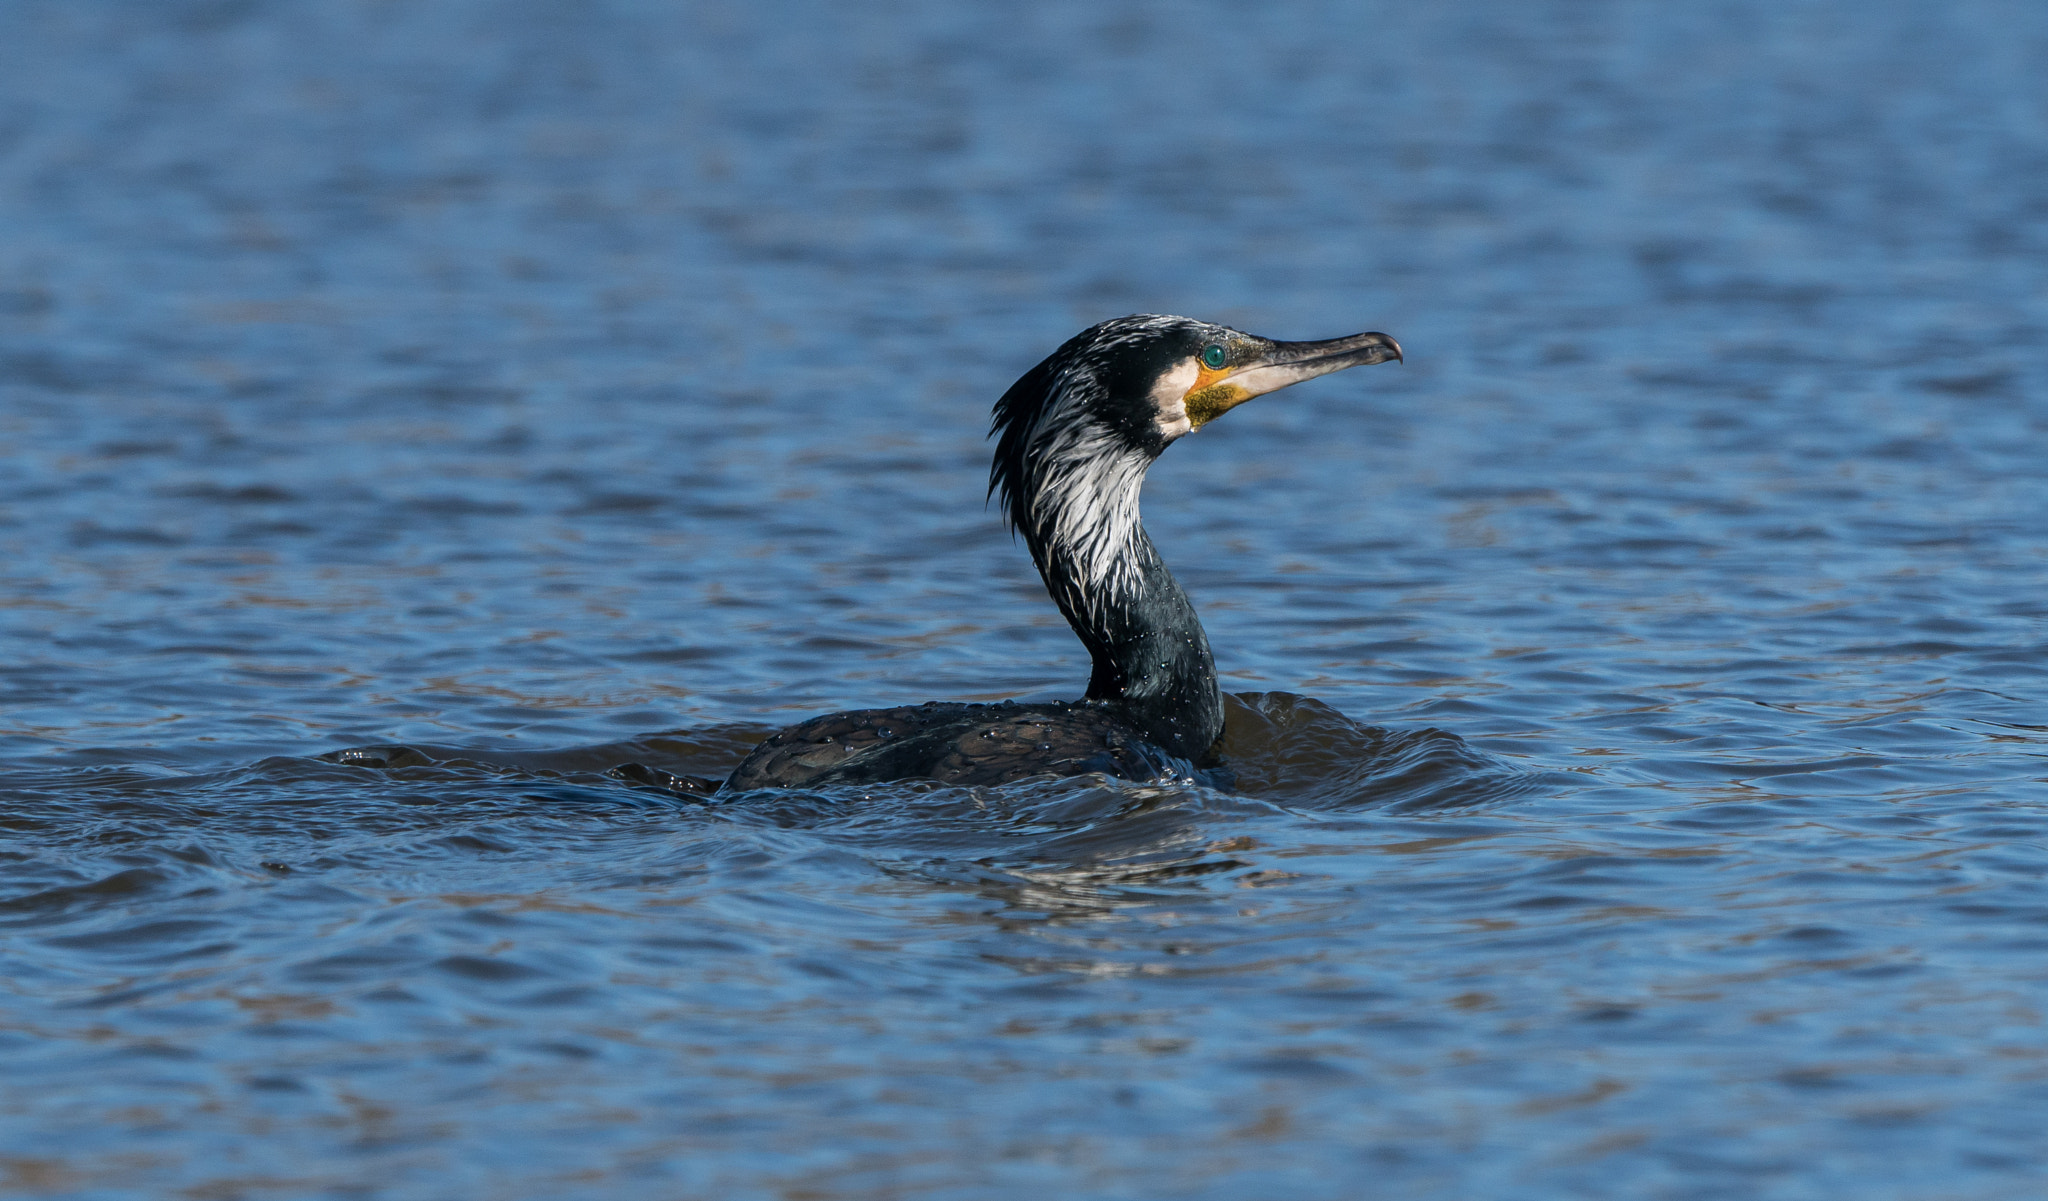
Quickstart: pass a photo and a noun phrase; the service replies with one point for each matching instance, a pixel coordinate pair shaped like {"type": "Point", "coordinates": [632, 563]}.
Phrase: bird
{"type": "Point", "coordinates": [1075, 436]}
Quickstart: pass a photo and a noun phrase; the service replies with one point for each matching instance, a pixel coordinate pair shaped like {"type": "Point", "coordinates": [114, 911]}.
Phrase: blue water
{"type": "Point", "coordinates": [1643, 785]}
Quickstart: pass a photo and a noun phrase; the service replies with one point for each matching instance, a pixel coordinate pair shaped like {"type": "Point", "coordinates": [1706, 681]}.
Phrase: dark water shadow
{"type": "Point", "coordinates": [1299, 751]}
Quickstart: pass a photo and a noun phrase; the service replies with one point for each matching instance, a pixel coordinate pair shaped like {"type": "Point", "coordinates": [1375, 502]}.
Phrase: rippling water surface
{"type": "Point", "coordinates": [1641, 741]}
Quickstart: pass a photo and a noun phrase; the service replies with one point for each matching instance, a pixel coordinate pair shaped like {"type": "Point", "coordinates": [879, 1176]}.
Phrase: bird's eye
{"type": "Point", "coordinates": [1213, 357]}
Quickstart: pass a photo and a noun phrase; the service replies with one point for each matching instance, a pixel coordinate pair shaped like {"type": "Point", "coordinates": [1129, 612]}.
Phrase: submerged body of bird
{"type": "Point", "coordinates": [1074, 438]}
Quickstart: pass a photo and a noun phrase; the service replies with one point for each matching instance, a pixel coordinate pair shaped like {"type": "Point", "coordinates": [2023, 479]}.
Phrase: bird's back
{"type": "Point", "coordinates": [955, 744]}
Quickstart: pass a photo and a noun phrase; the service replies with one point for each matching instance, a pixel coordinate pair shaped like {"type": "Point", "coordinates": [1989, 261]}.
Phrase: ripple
{"type": "Point", "coordinates": [414, 412]}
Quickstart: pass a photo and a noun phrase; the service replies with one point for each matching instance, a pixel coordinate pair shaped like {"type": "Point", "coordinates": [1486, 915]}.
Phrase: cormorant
{"type": "Point", "coordinates": [1074, 437]}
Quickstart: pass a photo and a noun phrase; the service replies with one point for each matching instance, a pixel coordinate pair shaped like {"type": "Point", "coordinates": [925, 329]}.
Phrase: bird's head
{"type": "Point", "coordinates": [1080, 428]}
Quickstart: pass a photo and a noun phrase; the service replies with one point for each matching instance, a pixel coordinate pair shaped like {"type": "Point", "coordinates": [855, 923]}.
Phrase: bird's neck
{"type": "Point", "coordinates": [1149, 651]}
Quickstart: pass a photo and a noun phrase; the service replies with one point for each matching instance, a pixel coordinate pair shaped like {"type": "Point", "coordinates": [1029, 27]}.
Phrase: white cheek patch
{"type": "Point", "coordinates": [1170, 397]}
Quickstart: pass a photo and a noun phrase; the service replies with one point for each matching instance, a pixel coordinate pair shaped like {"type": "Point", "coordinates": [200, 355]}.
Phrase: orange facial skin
{"type": "Point", "coordinates": [1212, 394]}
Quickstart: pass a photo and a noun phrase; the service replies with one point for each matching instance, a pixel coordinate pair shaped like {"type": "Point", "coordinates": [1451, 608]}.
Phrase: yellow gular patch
{"type": "Point", "coordinates": [1212, 396]}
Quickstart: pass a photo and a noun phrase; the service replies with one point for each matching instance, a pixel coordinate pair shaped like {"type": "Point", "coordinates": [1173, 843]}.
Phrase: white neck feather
{"type": "Point", "coordinates": [1086, 505]}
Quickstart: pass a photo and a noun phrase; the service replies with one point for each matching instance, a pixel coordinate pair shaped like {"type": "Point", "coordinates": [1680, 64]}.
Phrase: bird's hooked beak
{"type": "Point", "coordinates": [1270, 366]}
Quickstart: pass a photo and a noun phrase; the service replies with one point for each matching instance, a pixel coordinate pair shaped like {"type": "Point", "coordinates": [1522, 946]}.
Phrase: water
{"type": "Point", "coordinates": [544, 386]}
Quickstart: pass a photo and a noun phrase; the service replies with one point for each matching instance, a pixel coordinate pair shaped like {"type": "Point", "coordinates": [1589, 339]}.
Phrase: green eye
{"type": "Point", "coordinates": [1214, 356]}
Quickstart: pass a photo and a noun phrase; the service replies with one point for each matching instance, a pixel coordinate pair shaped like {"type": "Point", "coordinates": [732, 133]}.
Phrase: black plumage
{"type": "Point", "coordinates": [1074, 437]}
